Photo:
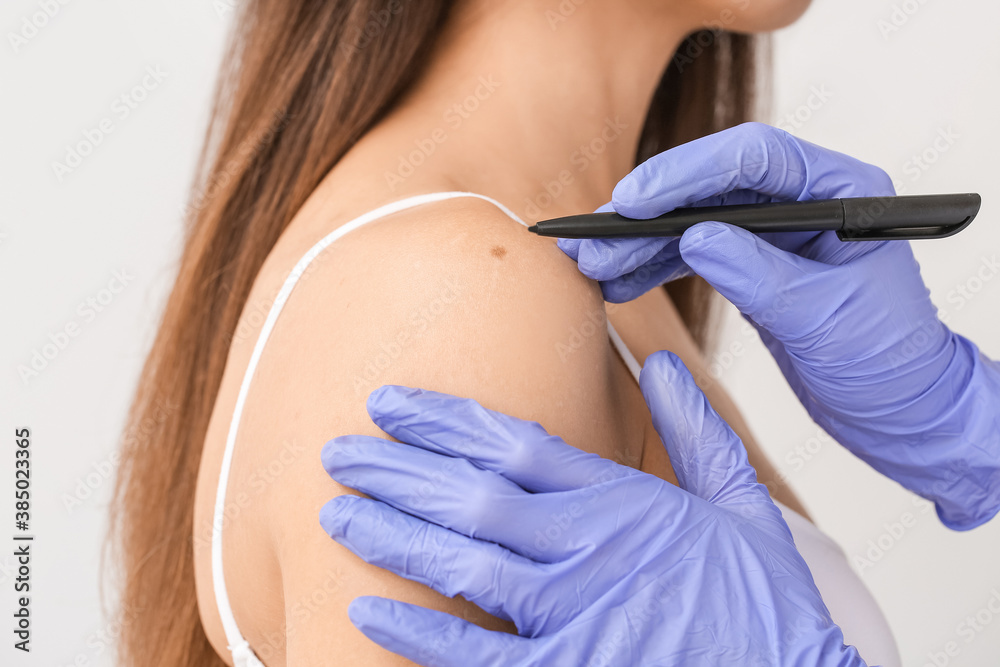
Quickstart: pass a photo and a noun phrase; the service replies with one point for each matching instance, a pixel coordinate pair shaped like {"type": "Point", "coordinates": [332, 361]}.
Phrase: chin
{"type": "Point", "coordinates": [756, 15]}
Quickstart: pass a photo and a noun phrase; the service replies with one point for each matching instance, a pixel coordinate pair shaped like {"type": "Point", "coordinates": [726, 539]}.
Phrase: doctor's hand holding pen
{"type": "Point", "coordinates": [854, 332]}
{"type": "Point", "coordinates": [850, 324]}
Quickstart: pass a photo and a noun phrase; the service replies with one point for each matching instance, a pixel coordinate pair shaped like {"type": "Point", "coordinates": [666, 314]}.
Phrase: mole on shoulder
{"type": "Point", "coordinates": [498, 251]}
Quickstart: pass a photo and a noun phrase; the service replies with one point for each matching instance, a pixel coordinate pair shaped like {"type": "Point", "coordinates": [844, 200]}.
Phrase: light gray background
{"type": "Point", "coordinates": [887, 96]}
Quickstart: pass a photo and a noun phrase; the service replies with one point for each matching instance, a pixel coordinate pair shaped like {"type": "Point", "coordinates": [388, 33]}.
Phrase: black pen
{"type": "Point", "coordinates": [854, 218]}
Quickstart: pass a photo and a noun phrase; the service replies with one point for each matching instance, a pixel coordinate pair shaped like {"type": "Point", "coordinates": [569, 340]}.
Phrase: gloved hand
{"type": "Point", "coordinates": [596, 563]}
{"type": "Point", "coordinates": [850, 324]}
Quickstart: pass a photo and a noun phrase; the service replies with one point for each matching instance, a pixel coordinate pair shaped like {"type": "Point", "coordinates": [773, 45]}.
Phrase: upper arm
{"type": "Point", "coordinates": [458, 299]}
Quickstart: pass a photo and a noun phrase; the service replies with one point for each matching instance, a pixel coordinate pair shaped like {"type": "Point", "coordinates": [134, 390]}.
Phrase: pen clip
{"type": "Point", "coordinates": [903, 233]}
{"type": "Point", "coordinates": [909, 217]}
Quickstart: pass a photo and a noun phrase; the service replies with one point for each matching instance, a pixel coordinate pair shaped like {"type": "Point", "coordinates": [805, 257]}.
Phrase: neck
{"type": "Point", "coordinates": [540, 110]}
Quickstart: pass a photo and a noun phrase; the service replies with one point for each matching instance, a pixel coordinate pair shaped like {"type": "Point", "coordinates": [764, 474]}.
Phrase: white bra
{"type": "Point", "coordinates": [849, 602]}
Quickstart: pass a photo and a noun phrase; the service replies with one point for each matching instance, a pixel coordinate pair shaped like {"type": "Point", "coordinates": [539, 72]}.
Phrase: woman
{"type": "Point", "coordinates": [327, 112]}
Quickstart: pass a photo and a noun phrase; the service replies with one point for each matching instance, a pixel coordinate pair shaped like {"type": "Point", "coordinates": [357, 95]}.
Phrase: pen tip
{"type": "Point", "coordinates": [533, 228]}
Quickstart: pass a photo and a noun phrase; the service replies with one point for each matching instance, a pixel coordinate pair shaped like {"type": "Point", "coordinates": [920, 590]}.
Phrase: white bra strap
{"type": "Point", "coordinates": [237, 644]}
{"type": "Point", "coordinates": [243, 655]}
{"type": "Point", "coordinates": [633, 364]}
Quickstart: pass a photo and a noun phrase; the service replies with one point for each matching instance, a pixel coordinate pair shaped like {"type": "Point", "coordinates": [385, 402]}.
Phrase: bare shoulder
{"type": "Point", "coordinates": [448, 292]}
{"type": "Point", "coordinates": [453, 296]}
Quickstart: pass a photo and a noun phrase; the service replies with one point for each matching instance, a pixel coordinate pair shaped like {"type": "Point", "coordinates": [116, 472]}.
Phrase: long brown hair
{"type": "Point", "coordinates": [301, 83]}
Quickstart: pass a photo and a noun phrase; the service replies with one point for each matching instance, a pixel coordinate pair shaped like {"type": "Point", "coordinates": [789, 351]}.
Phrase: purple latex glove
{"type": "Point", "coordinates": [596, 563]}
{"type": "Point", "coordinates": [850, 324]}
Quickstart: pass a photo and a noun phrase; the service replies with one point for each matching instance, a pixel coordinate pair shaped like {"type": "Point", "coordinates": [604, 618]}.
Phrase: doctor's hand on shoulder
{"type": "Point", "coordinates": [850, 324]}
{"type": "Point", "coordinates": [594, 562]}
